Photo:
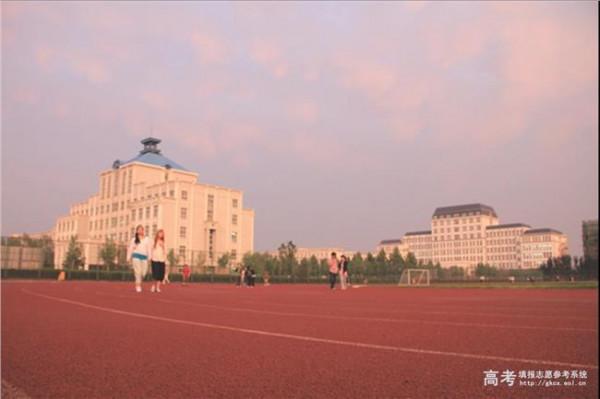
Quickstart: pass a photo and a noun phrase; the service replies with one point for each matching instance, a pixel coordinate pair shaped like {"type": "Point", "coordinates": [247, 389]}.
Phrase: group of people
{"type": "Point", "coordinates": [141, 251]}
{"type": "Point", "coordinates": [247, 277]}
{"type": "Point", "coordinates": [338, 267]}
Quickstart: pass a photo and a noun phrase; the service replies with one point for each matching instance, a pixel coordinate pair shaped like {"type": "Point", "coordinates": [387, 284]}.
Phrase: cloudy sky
{"type": "Point", "coordinates": [344, 123]}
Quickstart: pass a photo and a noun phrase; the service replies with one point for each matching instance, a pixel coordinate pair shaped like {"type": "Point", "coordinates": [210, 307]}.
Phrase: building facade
{"type": "Point", "coordinates": [470, 234]}
{"type": "Point", "coordinates": [389, 246]}
{"type": "Point", "coordinates": [201, 221]}
{"type": "Point", "coordinates": [540, 244]}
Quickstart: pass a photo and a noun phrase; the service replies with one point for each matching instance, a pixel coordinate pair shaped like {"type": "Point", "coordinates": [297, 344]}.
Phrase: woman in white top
{"type": "Point", "coordinates": [158, 260]}
{"type": "Point", "coordinates": [139, 252]}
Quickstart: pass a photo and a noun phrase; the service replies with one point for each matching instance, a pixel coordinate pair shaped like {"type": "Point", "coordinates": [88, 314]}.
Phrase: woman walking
{"type": "Point", "coordinates": [157, 260]}
{"type": "Point", "coordinates": [334, 269]}
{"type": "Point", "coordinates": [343, 271]}
{"type": "Point", "coordinates": [138, 252]}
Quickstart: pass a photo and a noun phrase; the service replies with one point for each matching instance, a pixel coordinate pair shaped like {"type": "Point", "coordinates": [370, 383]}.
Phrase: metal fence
{"type": "Point", "coordinates": [21, 257]}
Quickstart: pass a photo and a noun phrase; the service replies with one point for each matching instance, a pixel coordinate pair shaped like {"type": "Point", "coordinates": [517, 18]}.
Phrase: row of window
{"type": "Point", "coordinates": [456, 221]}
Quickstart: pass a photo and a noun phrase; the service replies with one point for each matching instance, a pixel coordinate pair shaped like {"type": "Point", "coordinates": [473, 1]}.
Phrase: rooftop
{"type": "Point", "coordinates": [151, 155]}
{"type": "Point", "coordinates": [391, 241]}
{"type": "Point", "coordinates": [418, 233]}
{"type": "Point", "coordinates": [542, 231]}
{"type": "Point", "coordinates": [507, 226]}
{"type": "Point", "coordinates": [457, 209]}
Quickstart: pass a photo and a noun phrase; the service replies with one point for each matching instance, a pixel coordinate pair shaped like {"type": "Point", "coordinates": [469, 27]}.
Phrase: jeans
{"type": "Point", "coordinates": [332, 278]}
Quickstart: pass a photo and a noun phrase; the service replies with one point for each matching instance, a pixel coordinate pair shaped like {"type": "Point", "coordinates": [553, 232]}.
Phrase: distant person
{"type": "Point", "coordinates": [247, 276]}
{"type": "Point", "coordinates": [252, 277]}
{"type": "Point", "coordinates": [343, 271]}
{"type": "Point", "coordinates": [186, 272]}
{"type": "Point", "coordinates": [242, 276]}
{"type": "Point", "coordinates": [266, 278]}
{"type": "Point", "coordinates": [334, 269]}
{"type": "Point", "coordinates": [138, 252]}
{"type": "Point", "coordinates": [157, 260]}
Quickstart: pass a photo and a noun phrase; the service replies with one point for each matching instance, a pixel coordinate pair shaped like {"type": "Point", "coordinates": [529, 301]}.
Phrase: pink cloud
{"type": "Point", "coordinates": [269, 55]}
{"type": "Point", "coordinates": [210, 49]}
{"type": "Point", "coordinates": [304, 111]}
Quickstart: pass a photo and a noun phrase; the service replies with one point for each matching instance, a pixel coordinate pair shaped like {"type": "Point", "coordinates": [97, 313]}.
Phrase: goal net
{"type": "Point", "coordinates": [414, 277]}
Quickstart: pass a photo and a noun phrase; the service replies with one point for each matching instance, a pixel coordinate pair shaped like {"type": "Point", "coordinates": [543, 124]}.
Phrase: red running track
{"type": "Point", "coordinates": [103, 340]}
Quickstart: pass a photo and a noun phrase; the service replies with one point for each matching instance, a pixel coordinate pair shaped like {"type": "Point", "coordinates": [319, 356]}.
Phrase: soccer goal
{"type": "Point", "coordinates": [414, 277]}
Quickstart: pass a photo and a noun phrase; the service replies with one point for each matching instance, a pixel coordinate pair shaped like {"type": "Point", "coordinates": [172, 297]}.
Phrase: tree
{"type": "Point", "coordinates": [200, 261]}
{"type": "Point", "coordinates": [73, 259]}
{"type": "Point", "coordinates": [483, 270]}
{"type": "Point", "coordinates": [411, 261]}
{"type": "Point", "coordinates": [287, 257]}
{"type": "Point", "coordinates": [357, 266]}
{"type": "Point", "coordinates": [223, 261]}
{"type": "Point", "coordinates": [108, 254]}
{"type": "Point", "coordinates": [396, 262]}
{"type": "Point", "coordinates": [47, 246]}
{"type": "Point", "coordinates": [172, 258]}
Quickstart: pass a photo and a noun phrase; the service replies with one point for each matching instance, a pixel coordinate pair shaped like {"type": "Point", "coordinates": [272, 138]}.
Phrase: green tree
{"type": "Point", "coordinates": [313, 266]}
{"type": "Point", "coordinates": [396, 262]}
{"type": "Point", "coordinates": [73, 258]}
{"type": "Point", "coordinates": [411, 261]}
{"type": "Point", "coordinates": [287, 257]}
{"type": "Point", "coordinates": [172, 258]}
{"type": "Point", "coordinates": [483, 270]}
{"type": "Point", "coordinates": [108, 254]}
{"type": "Point", "coordinates": [357, 265]}
{"type": "Point", "coordinates": [47, 246]}
{"type": "Point", "coordinates": [223, 261]}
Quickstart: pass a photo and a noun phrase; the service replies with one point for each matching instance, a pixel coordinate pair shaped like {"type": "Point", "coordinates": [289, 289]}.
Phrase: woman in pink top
{"type": "Point", "coordinates": [334, 269]}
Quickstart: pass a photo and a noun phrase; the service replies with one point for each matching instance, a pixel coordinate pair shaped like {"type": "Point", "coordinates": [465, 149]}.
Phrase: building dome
{"type": "Point", "coordinates": [151, 155]}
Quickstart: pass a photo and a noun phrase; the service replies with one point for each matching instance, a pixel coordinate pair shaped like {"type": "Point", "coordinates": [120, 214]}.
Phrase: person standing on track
{"type": "Point", "coordinates": [158, 259]}
{"type": "Point", "coordinates": [186, 271]}
{"type": "Point", "coordinates": [343, 272]}
{"type": "Point", "coordinates": [139, 251]}
{"type": "Point", "coordinates": [334, 269]}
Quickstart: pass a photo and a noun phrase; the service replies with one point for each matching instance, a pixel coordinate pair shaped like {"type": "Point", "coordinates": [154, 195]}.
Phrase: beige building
{"type": "Point", "coordinates": [419, 243]}
{"type": "Point", "coordinates": [503, 245]}
{"type": "Point", "coordinates": [389, 246]}
{"type": "Point", "coordinates": [201, 221]}
{"type": "Point", "coordinates": [467, 235]}
{"type": "Point", "coordinates": [540, 244]}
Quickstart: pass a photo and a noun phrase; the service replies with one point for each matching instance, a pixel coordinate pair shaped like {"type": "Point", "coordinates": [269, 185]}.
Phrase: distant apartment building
{"type": "Point", "coordinates": [389, 246]}
{"type": "Point", "coordinates": [470, 234]}
{"type": "Point", "coordinates": [503, 245]}
{"type": "Point", "coordinates": [540, 244]}
{"type": "Point", "coordinates": [201, 221]}
{"type": "Point", "coordinates": [590, 239]}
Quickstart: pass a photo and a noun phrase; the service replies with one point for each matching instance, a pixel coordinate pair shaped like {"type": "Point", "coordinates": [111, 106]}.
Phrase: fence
{"type": "Point", "coordinates": [21, 257]}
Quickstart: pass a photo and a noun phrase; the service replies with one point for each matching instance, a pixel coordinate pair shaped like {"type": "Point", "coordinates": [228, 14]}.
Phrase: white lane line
{"type": "Point", "coordinates": [315, 339]}
{"type": "Point", "coordinates": [360, 318]}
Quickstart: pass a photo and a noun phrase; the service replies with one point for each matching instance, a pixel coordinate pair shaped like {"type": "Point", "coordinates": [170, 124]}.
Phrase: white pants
{"type": "Point", "coordinates": [342, 280]}
{"type": "Point", "coordinates": [140, 268]}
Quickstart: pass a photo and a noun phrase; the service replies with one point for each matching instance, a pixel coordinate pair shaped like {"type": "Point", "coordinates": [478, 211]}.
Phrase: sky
{"type": "Point", "coordinates": [343, 123]}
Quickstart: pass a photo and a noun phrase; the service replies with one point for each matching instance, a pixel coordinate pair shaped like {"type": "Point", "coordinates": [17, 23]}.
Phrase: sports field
{"type": "Point", "coordinates": [100, 339]}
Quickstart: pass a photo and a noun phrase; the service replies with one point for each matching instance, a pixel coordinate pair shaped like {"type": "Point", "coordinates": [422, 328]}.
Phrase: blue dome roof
{"type": "Point", "coordinates": [151, 155]}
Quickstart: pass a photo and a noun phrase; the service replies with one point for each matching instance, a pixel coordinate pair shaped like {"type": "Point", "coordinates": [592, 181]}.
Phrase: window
{"type": "Point", "coordinates": [182, 252]}
{"type": "Point", "coordinates": [183, 213]}
{"type": "Point", "coordinates": [155, 211]}
{"type": "Point", "coordinates": [234, 203]}
{"type": "Point", "coordinates": [184, 195]}
{"type": "Point", "coordinates": [140, 213]}
{"type": "Point", "coordinates": [133, 215]}
{"type": "Point", "coordinates": [233, 254]}
{"type": "Point", "coordinates": [154, 229]}
{"type": "Point", "coordinates": [210, 207]}
{"type": "Point", "coordinates": [234, 236]}
{"type": "Point", "coordinates": [182, 232]}
{"type": "Point", "coordinates": [113, 222]}
{"type": "Point", "coordinates": [171, 193]}
{"type": "Point", "coordinates": [234, 220]}
{"type": "Point", "coordinates": [147, 212]}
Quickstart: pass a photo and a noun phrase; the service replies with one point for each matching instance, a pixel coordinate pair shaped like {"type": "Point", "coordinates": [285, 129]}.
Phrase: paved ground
{"type": "Point", "coordinates": [101, 340]}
